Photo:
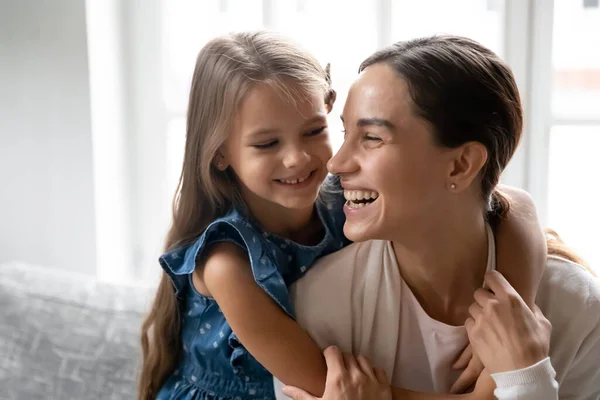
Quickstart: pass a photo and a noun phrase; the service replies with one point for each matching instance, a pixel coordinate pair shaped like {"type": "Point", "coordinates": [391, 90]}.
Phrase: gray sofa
{"type": "Point", "coordinates": [67, 337]}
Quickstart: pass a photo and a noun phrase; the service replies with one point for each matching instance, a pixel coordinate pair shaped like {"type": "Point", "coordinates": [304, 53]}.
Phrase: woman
{"type": "Point", "coordinates": [430, 125]}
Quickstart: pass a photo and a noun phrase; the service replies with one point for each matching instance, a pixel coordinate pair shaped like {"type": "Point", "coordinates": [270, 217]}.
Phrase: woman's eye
{"type": "Point", "coordinates": [372, 138]}
{"type": "Point", "coordinates": [317, 131]}
{"type": "Point", "coordinates": [265, 145]}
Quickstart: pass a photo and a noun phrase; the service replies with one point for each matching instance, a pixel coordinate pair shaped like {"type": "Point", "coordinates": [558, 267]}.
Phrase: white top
{"type": "Point", "coordinates": [357, 300]}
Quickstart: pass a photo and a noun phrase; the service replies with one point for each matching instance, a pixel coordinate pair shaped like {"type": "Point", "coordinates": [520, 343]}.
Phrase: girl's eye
{"type": "Point", "coordinates": [317, 131]}
{"type": "Point", "coordinates": [265, 145]}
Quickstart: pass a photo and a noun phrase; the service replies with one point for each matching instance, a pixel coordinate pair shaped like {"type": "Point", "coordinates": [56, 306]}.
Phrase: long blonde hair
{"type": "Point", "coordinates": [226, 68]}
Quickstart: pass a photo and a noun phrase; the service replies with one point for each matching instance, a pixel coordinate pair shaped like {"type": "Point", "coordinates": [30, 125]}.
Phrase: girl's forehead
{"type": "Point", "coordinates": [265, 103]}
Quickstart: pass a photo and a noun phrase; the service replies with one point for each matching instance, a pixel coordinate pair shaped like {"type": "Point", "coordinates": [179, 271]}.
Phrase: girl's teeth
{"type": "Point", "coordinates": [294, 181]}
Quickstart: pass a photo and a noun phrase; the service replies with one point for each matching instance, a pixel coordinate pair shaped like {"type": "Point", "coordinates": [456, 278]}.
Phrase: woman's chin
{"type": "Point", "coordinates": [357, 232]}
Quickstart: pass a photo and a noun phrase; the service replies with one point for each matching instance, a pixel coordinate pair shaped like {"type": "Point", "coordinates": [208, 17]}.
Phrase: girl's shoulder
{"type": "Point", "coordinates": [179, 262]}
{"type": "Point", "coordinates": [269, 266]}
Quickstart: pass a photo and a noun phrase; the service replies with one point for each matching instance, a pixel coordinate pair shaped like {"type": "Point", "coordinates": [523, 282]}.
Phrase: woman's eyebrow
{"type": "Point", "coordinates": [373, 122]}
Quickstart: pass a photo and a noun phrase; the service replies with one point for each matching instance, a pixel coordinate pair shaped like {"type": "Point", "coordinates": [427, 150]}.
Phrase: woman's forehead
{"type": "Point", "coordinates": [379, 92]}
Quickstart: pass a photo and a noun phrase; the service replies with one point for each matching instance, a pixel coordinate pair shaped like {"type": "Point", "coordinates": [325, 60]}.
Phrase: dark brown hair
{"type": "Point", "coordinates": [467, 93]}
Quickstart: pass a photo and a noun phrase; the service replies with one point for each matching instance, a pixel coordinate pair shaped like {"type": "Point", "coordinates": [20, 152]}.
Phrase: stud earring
{"type": "Point", "coordinates": [220, 165]}
{"type": "Point", "coordinates": [452, 186]}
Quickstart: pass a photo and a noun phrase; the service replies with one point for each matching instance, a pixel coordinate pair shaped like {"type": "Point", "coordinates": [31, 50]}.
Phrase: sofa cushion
{"type": "Point", "coordinates": [66, 336]}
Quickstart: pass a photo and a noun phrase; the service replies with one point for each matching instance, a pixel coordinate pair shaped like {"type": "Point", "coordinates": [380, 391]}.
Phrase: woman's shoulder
{"type": "Point", "coordinates": [573, 281]}
{"type": "Point", "coordinates": [569, 297]}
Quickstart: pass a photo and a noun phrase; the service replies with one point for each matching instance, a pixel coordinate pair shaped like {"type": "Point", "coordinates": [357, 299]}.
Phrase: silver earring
{"type": "Point", "coordinates": [219, 165]}
{"type": "Point", "coordinates": [452, 186]}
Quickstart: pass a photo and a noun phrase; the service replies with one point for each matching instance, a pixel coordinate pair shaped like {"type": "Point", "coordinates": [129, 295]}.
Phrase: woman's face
{"type": "Point", "coordinates": [393, 173]}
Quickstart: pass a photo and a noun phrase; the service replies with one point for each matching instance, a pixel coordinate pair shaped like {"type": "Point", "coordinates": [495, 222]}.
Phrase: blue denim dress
{"type": "Point", "coordinates": [213, 363]}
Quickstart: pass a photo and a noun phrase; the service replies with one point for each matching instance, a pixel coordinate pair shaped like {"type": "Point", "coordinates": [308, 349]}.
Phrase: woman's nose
{"type": "Point", "coordinates": [342, 162]}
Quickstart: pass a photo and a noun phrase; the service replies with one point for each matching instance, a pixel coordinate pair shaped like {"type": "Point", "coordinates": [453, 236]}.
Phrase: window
{"type": "Point", "coordinates": [477, 19]}
{"type": "Point", "coordinates": [343, 33]}
{"type": "Point", "coordinates": [574, 141]}
{"type": "Point", "coordinates": [187, 26]}
{"type": "Point", "coordinates": [339, 32]}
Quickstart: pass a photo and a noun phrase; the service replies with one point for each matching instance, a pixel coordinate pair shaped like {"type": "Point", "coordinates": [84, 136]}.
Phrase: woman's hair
{"type": "Point", "coordinates": [467, 93]}
{"type": "Point", "coordinates": [226, 68]}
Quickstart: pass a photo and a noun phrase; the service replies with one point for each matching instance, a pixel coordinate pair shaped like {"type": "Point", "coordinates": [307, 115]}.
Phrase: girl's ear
{"type": "Point", "coordinates": [330, 100]}
{"type": "Point", "coordinates": [331, 95]}
{"type": "Point", "coordinates": [220, 162]}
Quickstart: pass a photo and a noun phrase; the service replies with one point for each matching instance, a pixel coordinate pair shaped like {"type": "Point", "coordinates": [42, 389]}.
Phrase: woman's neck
{"type": "Point", "coordinates": [443, 264]}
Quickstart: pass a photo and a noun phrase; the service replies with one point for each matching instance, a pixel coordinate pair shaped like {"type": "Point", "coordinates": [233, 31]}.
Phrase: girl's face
{"type": "Point", "coordinates": [279, 150]}
{"type": "Point", "coordinates": [393, 173]}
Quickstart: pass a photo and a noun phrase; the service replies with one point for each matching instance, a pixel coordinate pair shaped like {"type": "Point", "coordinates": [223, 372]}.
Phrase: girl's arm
{"type": "Point", "coordinates": [265, 330]}
{"type": "Point", "coordinates": [521, 245]}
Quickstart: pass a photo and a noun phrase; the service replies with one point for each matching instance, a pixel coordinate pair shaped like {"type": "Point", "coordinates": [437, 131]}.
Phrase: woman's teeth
{"type": "Point", "coordinates": [360, 198]}
{"type": "Point", "coordinates": [294, 181]}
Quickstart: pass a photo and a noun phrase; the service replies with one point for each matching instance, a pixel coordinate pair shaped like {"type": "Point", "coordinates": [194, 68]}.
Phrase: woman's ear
{"type": "Point", "coordinates": [467, 161]}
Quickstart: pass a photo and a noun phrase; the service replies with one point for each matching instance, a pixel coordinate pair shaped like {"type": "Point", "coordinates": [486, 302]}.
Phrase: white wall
{"type": "Point", "coordinates": [46, 177]}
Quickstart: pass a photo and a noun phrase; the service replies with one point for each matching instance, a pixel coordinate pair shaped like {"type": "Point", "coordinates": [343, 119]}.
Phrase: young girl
{"type": "Point", "coordinates": [250, 216]}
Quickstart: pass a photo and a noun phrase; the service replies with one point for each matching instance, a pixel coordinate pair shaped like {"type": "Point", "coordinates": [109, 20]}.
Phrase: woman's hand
{"type": "Point", "coordinates": [348, 378]}
{"type": "Point", "coordinates": [502, 329]}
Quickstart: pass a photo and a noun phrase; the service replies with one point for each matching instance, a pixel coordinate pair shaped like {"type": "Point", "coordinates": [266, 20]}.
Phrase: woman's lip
{"type": "Point", "coordinates": [350, 210]}
{"type": "Point", "coordinates": [348, 186]}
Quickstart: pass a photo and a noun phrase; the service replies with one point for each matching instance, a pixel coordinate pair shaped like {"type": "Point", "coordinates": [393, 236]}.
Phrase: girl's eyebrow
{"type": "Point", "coordinates": [316, 118]}
{"type": "Point", "coordinates": [263, 132]}
{"type": "Point", "coordinates": [269, 131]}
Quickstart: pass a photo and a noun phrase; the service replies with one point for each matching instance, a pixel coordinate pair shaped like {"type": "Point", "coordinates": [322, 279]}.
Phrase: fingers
{"type": "Point", "coordinates": [464, 358]}
{"type": "Point", "coordinates": [483, 296]}
{"type": "Point", "coordinates": [468, 377]}
{"type": "Point", "coordinates": [469, 323]}
{"type": "Point", "coordinates": [381, 376]}
{"type": "Point", "coordinates": [365, 366]}
{"type": "Point", "coordinates": [350, 363]}
{"type": "Point", "coordinates": [498, 284]}
{"type": "Point", "coordinates": [297, 393]}
{"type": "Point", "coordinates": [334, 360]}
{"type": "Point", "coordinates": [475, 310]}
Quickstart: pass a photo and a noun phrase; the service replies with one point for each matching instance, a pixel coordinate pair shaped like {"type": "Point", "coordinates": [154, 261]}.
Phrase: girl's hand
{"type": "Point", "coordinates": [484, 388]}
{"type": "Point", "coordinates": [503, 331]}
{"type": "Point", "coordinates": [472, 369]}
{"type": "Point", "coordinates": [348, 378]}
